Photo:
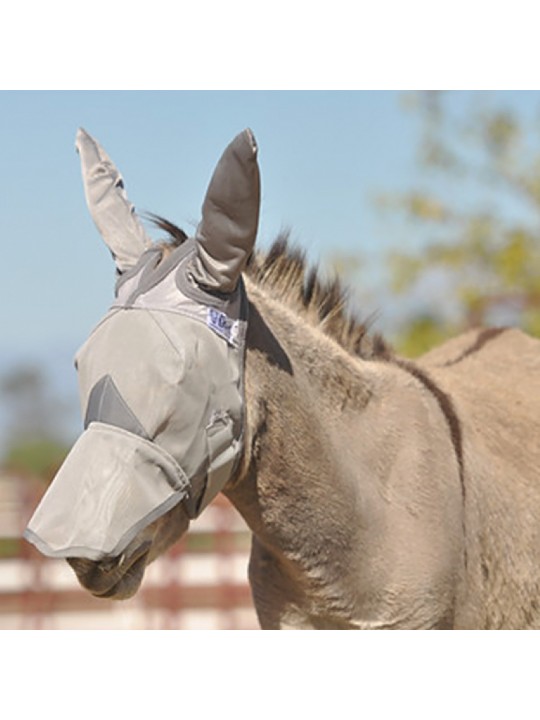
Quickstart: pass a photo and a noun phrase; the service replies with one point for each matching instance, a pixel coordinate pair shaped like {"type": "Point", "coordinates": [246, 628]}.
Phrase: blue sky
{"type": "Point", "coordinates": [324, 157]}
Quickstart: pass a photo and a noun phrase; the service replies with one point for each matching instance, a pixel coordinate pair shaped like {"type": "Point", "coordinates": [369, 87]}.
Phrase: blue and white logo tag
{"type": "Point", "coordinates": [222, 324]}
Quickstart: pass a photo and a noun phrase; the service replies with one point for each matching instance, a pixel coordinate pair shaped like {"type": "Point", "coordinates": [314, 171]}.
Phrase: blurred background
{"type": "Point", "coordinates": [427, 204]}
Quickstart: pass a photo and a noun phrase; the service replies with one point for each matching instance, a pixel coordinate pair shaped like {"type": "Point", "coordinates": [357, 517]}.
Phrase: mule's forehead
{"type": "Point", "coordinates": [169, 286]}
{"type": "Point", "coordinates": [164, 336]}
{"type": "Point", "coordinates": [146, 368]}
{"type": "Point", "coordinates": [165, 366]}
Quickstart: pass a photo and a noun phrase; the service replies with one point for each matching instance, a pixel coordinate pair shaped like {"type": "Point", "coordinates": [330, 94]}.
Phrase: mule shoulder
{"type": "Point", "coordinates": [493, 380]}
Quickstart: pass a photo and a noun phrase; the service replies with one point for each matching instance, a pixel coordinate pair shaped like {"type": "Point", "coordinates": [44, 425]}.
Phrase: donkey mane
{"type": "Point", "coordinates": [323, 302]}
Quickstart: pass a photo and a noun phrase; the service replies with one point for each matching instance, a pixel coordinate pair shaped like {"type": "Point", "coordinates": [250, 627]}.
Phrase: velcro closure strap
{"type": "Point", "coordinates": [222, 454]}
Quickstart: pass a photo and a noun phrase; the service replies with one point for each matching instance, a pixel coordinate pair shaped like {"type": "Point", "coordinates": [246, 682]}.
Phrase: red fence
{"type": "Point", "coordinates": [201, 583]}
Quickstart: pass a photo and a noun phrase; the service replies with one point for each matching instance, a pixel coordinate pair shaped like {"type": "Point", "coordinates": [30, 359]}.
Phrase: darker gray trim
{"type": "Point", "coordinates": [155, 273]}
{"type": "Point", "coordinates": [106, 405]}
{"type": "Point", "coordinates": [148, 260]}
{"type": "Point", "coordinates": [187, 284]}
{"type": "Point", "coordinates": [152, 270]}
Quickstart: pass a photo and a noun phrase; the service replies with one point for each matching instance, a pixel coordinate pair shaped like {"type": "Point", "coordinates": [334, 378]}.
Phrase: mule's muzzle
{"type": "Point", "coordinates": [112, 486]}
{"type": "Point", "coordinates": [118, 577]}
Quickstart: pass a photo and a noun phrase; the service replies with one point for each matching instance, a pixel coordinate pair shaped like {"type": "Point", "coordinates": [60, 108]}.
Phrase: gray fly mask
{"type": "Point", "coordinates": [161, 376]}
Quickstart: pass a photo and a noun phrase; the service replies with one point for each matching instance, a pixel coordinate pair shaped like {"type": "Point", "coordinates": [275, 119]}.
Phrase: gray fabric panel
{"type": "Point", "coordinates": [222, 454]}
{"type": "Point", "coordinates": [106, 405]}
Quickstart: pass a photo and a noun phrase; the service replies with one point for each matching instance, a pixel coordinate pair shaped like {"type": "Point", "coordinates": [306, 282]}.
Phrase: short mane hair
{"type": "Point", "coordinates": [325, 303]}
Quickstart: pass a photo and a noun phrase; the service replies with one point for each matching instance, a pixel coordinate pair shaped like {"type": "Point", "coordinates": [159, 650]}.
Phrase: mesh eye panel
{"type": "Point", "coordinates": [106, 405]}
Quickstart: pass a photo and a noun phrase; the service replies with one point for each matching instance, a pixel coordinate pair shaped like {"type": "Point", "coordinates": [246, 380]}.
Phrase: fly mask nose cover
{"type": "Point", "coordinates": [161, 380]}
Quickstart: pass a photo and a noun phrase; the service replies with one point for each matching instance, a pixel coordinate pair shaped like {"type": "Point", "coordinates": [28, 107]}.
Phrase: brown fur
{"type": "Point", "coordinates": [445, 538]}
{"type": "Point", "coordinates": [381, 493]}
{"type": "Point", "coordinates": [321, 526]}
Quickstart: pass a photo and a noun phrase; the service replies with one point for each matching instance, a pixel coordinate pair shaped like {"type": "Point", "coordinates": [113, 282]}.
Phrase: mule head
{"type": "Point", "coordinates": [161, 380]}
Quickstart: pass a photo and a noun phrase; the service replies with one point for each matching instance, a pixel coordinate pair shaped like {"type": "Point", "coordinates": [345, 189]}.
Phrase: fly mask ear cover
{"type": "Point", "coordinates": [161, 376]}
{"type": "Point", "coordinates": [161, 380]}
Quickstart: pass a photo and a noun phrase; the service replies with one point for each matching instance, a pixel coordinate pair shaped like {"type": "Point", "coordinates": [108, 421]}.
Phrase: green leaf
{"type": "Point", "coordinates": [425, 207]}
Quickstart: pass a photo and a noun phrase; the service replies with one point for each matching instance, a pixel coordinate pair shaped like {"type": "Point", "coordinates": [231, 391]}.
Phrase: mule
{"type": "Point", "coordinates": [381, 493]}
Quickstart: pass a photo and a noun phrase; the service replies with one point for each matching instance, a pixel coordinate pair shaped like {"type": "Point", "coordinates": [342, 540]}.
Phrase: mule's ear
{"type": "Point", "coordinates": [109, 205]}
{"type": "Point", "coordinates": [226, 234]}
